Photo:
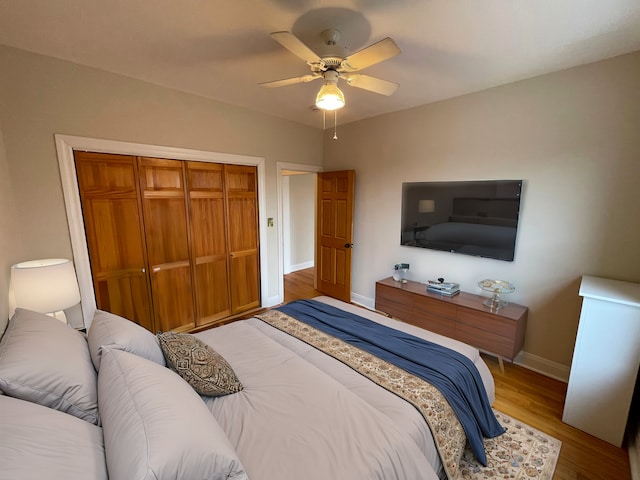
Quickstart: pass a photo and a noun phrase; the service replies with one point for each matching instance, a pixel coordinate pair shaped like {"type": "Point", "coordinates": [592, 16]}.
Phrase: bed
{"type": "Point", "coordinates": [299, 414]}
{"type": "Point", "coordinates": [363, 407]}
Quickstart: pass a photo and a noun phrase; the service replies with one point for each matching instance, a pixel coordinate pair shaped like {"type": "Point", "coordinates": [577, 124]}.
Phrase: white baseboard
{"type": "Point", "coordinates": [543, 366]}
{"type": "Point", "coordinates": [299, 266]}
{"type": "Point", "coordinates": [270, 301]}
{"type": "Point", "coordinates": [362, 300]}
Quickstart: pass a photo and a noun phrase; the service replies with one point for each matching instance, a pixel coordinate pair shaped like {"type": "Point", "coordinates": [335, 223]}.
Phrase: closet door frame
{"type": "Point", "coordinates": [65, 146]}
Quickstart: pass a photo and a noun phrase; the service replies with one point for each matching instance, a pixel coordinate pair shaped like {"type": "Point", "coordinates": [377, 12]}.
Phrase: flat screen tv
{"type": "Point", "coordinates": [470, 217]}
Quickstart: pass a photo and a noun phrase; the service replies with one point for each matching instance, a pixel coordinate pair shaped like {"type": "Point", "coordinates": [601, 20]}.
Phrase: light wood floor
{"type": "Point", "coordinates": [532, 398]}
{"type": "Point", "coordinates": [298, 285]}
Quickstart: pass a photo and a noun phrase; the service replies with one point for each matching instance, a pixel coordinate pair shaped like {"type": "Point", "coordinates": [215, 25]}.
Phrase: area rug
{"type": "Point", "coordinates": [521, 453]}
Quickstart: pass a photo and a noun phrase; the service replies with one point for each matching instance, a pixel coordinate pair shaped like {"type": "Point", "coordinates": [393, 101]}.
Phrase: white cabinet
{"type": "Point", "coordinates": [605, 359]}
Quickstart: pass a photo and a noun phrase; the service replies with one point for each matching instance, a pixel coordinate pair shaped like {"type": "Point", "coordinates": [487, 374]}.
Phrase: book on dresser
{"type": "Point", "coordinates": [448, 289]}
{"type": "Point", "coordinates": [447, 292]}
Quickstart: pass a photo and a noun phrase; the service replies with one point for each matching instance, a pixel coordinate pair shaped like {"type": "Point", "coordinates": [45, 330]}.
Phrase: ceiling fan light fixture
{"type": "Point", "coordinates": [330, 97]}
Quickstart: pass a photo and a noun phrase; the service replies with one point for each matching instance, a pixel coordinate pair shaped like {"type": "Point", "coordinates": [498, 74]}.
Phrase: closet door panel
{"type": "Point", "coordinates": [212, 291]}
{"type": "Point", "coordinates": [245, 284]}
{"type": "Point", "coordinates": [173, 303]}
{"type": "Point", "coordinates": [166, 228]}
{"type": "Point", "coordinates": [208, 232]}
{"type": "Point", "coordinates": [165, 223]}
{"type": "Point", "coordinates": [115, 236]}
{"type": "Point", "coordinates": [242, 224]}
{"type": "Point", "coordinates": [120, 281]}
{"type": "Point", "coordinates": [123, 295]}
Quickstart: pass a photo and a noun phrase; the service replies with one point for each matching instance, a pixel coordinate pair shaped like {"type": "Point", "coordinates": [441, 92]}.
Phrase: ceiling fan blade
{"type": "Point", "coordinates": [376, 53]}
{"type": "Point", "coordinates": [290, 81]}
{"type": "Point", "coordinates": [372, 84]}
{"type": "Point", "coordinates": [294, 45]}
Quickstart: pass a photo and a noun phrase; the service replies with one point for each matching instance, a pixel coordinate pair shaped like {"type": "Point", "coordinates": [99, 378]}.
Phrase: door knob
{"type": "Point", "coordinates": [348, 245]}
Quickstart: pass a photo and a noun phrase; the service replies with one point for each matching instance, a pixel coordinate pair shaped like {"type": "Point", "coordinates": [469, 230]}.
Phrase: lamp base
{"type": "Point", "coordinates": [59, 315]}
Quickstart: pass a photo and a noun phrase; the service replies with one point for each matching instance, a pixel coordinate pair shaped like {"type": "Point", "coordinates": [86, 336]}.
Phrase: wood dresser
{"type": "Point", "coordinates": [462, 317]}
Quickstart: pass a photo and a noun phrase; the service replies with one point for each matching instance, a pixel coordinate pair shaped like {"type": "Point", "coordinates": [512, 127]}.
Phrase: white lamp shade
{"type": "Point", "coordinates": [45, 286]}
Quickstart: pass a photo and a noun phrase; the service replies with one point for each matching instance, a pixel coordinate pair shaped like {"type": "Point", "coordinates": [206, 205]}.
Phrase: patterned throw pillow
{"type": "Point", "coordinates": [199, 364]}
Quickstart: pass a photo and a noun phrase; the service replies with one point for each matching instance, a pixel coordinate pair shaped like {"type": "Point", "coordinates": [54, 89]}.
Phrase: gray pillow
{"type": "Point", "coordinates": [38, 442]}
{"type": "Point", "coordinates": [44, 361]}
{"type": "Point", "coordinates": [156, 427]}
{"type": "Point", "coordinates": [200, 365]}
{"type": "Point", "coordinates": [109, 330]}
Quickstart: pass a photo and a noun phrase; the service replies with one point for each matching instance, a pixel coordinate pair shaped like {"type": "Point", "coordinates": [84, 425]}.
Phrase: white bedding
{"type": "Point", "coordinates": [303, 414]}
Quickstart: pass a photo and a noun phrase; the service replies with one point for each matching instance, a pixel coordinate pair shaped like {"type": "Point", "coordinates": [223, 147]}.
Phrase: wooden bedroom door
{"type": "Point", "coordinates": [114, 229]}
{"type": "Point", "coordinates": [334, 232]}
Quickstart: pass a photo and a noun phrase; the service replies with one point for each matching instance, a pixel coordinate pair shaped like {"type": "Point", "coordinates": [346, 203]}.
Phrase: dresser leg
{"type": "Point", "coordinates": [501, 363]}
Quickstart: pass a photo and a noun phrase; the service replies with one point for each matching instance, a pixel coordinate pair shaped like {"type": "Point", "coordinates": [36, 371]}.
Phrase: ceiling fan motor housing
{"type": "Point", "coordinates": [331, 36]}
{"type": "Point", "coordinates": [331, 76]}
{"type": "Point", "coordinates": [332, 62]}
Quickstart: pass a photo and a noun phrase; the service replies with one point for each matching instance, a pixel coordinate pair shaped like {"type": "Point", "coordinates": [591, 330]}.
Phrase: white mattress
{"type": "Point", "coordinates": [303, 414]}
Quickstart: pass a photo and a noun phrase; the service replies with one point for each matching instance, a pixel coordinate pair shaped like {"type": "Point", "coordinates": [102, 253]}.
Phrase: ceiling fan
{"type": "Point", "coordinates": [333, 66]}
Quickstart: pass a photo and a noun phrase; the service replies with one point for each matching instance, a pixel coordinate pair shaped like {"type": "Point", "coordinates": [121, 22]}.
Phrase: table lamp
{"type": "Point", "coordinates": [46, 286]}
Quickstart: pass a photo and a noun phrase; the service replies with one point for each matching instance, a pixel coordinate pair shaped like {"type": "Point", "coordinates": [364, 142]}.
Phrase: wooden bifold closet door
{"type": "Point", "coordinates": [173, 245]}
{"type": "Point", "coordinates": [164, 209]}
{"type": "Point", "coordinates": [209, 253]}
{"type": "Point", "coordinates": [242, 214]}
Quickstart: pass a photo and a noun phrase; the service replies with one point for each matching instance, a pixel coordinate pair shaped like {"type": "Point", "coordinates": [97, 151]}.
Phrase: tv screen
{"type": "Point", "coordinates": [470, 217]}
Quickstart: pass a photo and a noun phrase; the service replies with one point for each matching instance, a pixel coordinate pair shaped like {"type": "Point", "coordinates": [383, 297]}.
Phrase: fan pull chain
{"type": "Point", "coordinates": [335, 124]}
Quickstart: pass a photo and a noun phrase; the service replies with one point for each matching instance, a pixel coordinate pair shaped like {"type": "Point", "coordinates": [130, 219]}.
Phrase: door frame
{"type": "Point", "coordinates": [66, 144]}
{"type": "Point", "coordinates": [298, 167]}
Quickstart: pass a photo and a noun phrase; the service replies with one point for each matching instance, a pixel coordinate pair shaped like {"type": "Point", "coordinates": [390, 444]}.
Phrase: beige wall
{"type": "Point", "coordinates": [41, 97]}
{"type": "Point", "coordinates": [302, 196]}
{"type": "Point", "coordinates": [9, 233]}
{"type": "Point", "coordinates": [573, 136]}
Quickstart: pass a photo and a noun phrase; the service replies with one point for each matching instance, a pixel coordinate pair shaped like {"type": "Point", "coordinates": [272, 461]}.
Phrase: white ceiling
{"type": "Point", "coordinates": [222, 49]}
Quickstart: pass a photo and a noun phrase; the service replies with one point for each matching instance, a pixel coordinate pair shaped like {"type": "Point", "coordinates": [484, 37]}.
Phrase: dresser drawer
{"type": "Point", "coordinates": [434, 315]}
{"type": "Point", "coordinates": [485, 340]}
{"type": "Point", "coordinates": [434, 323]}
{"type": "Point", "coordinates": [432, 306]}
{"type": "Point", "coordinates": [489, 322]}
{"type": "Point", "coordinates": [397, 304]}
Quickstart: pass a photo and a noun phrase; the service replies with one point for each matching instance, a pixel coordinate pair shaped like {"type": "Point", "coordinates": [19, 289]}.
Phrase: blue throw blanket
{"type": "Point", "coordinates": [453, 374]}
